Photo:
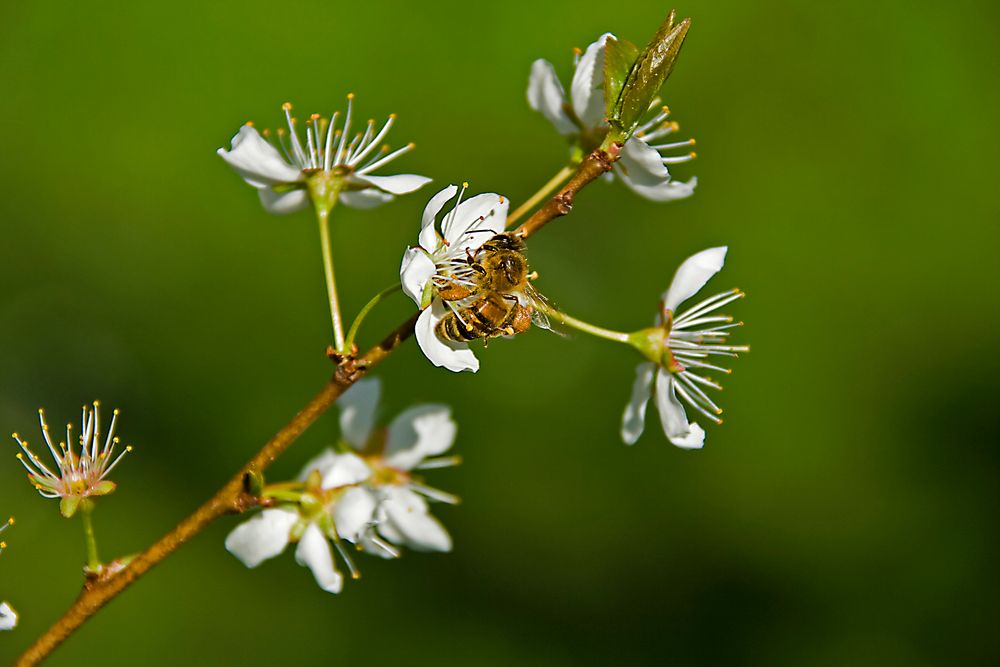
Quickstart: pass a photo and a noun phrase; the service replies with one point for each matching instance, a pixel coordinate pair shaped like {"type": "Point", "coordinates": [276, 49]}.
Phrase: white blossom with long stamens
{"type": "Point", "coordinates": [279, 173]}
{"type": "Point", "coordinates": [642, 166]}
{"type": "Point", "coordinates": [690, 342]}
{"type": "Point", "coordinates": [441, 259]}
{"type": "Point", "coordinates": [82, 463]}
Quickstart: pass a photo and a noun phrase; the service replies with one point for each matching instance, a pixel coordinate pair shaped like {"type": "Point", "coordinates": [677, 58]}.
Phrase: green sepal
{"type": "Point", "coordinates": [298, 530]}
{"type": "Point", "coordinates": [68, 506]}
{"type": "Point", "coordinates": [428, 295]}
{"type": "Point", "coordinates": [103, 488]}
{"type": "Point", "coordinates": [619, 57]}
{"type": "Point", "coordinates": [649, 342]}
{"type": "Point", "coordinates": [648, 75]}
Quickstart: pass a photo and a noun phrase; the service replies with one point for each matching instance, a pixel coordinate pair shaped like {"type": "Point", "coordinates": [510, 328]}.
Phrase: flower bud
{"type": "Point", "coordinates": [645, 77]}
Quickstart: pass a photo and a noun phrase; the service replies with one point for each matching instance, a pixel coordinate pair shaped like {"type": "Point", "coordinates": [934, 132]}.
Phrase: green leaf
{"type": "Point", "coordinates": [648, 75]}
{"type": "Point", "coordinates": [68, 505]}
{"type": "Point", "coordinates": [619, 56]}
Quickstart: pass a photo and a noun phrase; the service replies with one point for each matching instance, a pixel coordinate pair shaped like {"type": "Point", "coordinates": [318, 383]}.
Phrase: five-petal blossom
{"type": "Point", "coordinates": [642, 166]}
{"type": "Point", "coordinates": [681, 345]}
{"type": "Point", "coordinates": [280, 177]}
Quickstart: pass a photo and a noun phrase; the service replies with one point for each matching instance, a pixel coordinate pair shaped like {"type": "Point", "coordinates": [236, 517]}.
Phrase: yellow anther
{"type": "Point", "coordinates": [692, 141]}
{"type": "Point", "coordinates": [692, 155]}
{"type": "Point", "coordinates": [10, 521]}
{"type": "Point", "coordinates": [465, 184]}
{"type": "Point", "coordinates": [392, 116]}
{"type": "Point", "coordinates": [314, 116]}
{"type": "Point", "coordinates": [249, 123]}
{"type": "Point", "coordinates": [287, 106]}
{"type": "Point", "coordinates": [577, 51]}
{"type": "Point", "coordinates": [350, 96]}
{"type": "Point", "coordinates": [411, 145]}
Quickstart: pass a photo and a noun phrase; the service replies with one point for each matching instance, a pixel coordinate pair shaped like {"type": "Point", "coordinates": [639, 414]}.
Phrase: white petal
{"type": "Point", "coordinates": [453, 356]}
{"type": "Point", "coordinates": [428, 238]}
{"type": "Point", "coordinates": [634, 418]}
{"type": "Point", "coordinates": [417, 268]}
{"type": "Point", "coordinates": [399, 184]}
{"type": "Point", "coordinates": [545, 94]}
{"type": "Point", "coordinates": [406, 512]}
{"type": "Point", "coordinates": [357, 411]}
{"type": "Point", "coordinates": [364, 199]}
{"type": "Point", "coordinates": [257, 161]}
{"type": "Point", "coordinates": [348, 469]}
{"type": "Point", "coordinates": [314, 552]}
{"type": "Point", "coordinates": [642, 164]}
{"type": "Point", "coordinates": [587, 89]}
{"type": "Point", "coordinates": [262, 537]}
{"type": "Point", "coordinates": [672, 415]}
{"type": "Point", "coordinates": [692, 276]}
{"type": "Point", "coordinates": [486, 211]}
{"type": "Point", "coordinates": [283, 203]}
{"type": "Point", "coordinates": [8, 617]}
{"type": "Point", "coordinates": [321, 462]}
{"type": "Point", "coordinates": [417, 433]}
{"type": "Point", "coordinates": [642, 170]}
{"type": "Point", "coordinates": [354, 512]}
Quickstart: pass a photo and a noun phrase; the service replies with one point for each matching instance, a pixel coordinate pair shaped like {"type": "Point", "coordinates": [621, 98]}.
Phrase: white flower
{"type": "Point", "coordinates": [280, 177]}
{"type": "Point", "coordinates": [343, 512]}
{"type": "Point", "coordinates": [682, 344]}
{"type": "Point", "coordinates": [642, 166]}
{"type": "Point", "coordinates": [414, 440]}
{"type": "Point", "coordinates": [441, 259]}
{"type": "Point", "coordinates": [80, 470]}
{"type": "Point", "coordinates": [8, 617]}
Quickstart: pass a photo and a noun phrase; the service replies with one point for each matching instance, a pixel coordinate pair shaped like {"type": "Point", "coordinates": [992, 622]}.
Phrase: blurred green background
{"type": "Point", "coordinates": [847, 155]}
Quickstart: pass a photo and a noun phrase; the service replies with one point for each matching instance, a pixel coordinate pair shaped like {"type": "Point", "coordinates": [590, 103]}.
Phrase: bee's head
{"type": "Point", "coordinates": [506, 241]}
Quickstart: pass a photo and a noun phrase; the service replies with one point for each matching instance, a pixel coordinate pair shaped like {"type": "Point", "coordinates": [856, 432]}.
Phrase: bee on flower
{"type": "Point", "coordinates": [679, 348]}
{"type": "Point", "coordinates": [82, 462]}
{"type": "Point", "coordinates": [368, 492]}
{"type": "Point", "coordinates": [471, 279]}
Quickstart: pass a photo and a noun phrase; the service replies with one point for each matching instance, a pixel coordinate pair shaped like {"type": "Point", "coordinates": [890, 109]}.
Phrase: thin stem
{"type": "Point", "coordinates": [542, 193]}
{"type": "Point", "coordinates": [356, 324]}
{"type": "Point", "coordinates": [323, 216]}
{"type": "Point", "coordinates": [580, 325]}
{"type": "Point", "coordinates": [86, 513]}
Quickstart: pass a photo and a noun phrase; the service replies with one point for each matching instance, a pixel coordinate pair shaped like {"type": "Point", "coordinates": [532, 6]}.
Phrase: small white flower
{"type": "Point", "coordinates": [682, 344]}
{"type": "Point", "coordinates": [441, 259]}
{"type": "Point", "coordinates": [341, 511]}
{"type": "Point", "coordinates": [8, 617]}
{"type": "Point", "coordinates": [642, 166]}
{"type": "Point", "coordinates": [414, 440]}
{"type": "Point", "coordinates": [280, 177]}
{"type": "Point", "coordinates": [81, 470]}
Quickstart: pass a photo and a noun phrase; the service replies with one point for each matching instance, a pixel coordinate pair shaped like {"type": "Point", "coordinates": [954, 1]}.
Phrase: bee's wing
{"type": "Point", "coordinates": [534, 298]}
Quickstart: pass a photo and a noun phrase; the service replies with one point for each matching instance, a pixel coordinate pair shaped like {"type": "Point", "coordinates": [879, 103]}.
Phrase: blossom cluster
{"type": "Point", "coordinates": [368, 492]}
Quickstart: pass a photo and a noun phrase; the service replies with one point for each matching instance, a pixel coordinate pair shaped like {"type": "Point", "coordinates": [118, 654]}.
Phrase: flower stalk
{"type": "Point", "coordinates": [86, 514]}
{"type": "Point", "coordinates": [585, 327]}
{"type": "Point", "coordinates": [363, 313]}
{"type": "Point", "coordinates": [325, 191]}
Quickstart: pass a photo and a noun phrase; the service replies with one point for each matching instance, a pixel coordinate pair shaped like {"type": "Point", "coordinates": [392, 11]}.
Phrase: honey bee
{"type": "Point", "coordinates": [499, 300]}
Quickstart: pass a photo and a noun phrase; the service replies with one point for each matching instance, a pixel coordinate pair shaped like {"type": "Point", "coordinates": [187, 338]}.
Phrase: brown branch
{"type": "Point", "coordinates": [233, 497]}
{"type": "Point", "coordinates": [593, 166]}
{"type": "Point", "coordinates": [230, 498]}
